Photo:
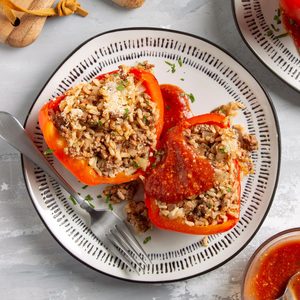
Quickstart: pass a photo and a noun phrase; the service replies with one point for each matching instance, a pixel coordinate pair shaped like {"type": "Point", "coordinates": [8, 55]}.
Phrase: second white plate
{"type": "Point", "coordinates": [254, 19]}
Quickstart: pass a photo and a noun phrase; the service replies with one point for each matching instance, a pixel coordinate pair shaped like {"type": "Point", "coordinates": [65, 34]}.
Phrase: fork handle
{"type": "Point", "coordinates": [12, 131]}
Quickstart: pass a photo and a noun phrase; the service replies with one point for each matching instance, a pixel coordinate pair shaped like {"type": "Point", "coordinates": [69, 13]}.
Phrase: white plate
{"type": "Point", "coordinates": [214, 77]}
{"type": "Point", "coordinates": [254, 19]}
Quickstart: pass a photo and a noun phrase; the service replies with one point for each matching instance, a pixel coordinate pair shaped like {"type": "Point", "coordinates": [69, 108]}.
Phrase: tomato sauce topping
{"type": "Point", "coordinates": [177, 106]}
{"type": "Point", "coordinates": [277, 266]}
{"type": "Point", "coordinates": [181, 174]}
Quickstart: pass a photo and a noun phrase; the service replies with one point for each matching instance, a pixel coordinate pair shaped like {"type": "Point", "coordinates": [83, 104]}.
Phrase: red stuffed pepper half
{"type": "Point", "coordinates": [195, 185]}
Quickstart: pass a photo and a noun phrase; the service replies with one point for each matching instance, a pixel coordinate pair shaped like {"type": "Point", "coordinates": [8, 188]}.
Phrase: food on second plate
{"type": "Point", "coordinates": [196, 186]}
{"type": "Point", "coordinates": [290, 10]}
{"type": "Point", "coordinates": [104, 131]}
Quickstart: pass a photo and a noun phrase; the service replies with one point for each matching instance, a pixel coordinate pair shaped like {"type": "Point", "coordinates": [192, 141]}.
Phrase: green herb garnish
{"type": "Point", "coordinates": [147, 239]}
{"type": "Point", "coordinates": [88, 198]}
{"type": "Point", "coordinates": [223, 150]}
{"type": "Point", "coordinates": [48, 151]}
{"type": "Point", "coordinates": [120, 87]}
{"type": "Point", "coordinates": [281, 35]}
{"type": "Point", "coordinates": [269, 32]}
{"type": "Point", "coordinates": [292, 22]}
{"type": "Point", "coordinates": [168, 107]}
{"type": "Point", "coordinates": [99, 196]}
{"type": "Point", "coordinates": [182, 79]}
{"type": "Point", "coordinates": [135, 164]}
{"type": "Point", "coordinates": [84, 187]}
{"type": "Point", "coordinates": [145, 120]}
{"type": "Point", "coordinates": [228, 189]}
{"type": "Point", "coordinates": [180, 62]}
{"type": "Point", "coordinates": [100, 123]}
{"type": "Point", "coordinates": [274, 28]}
{"type": "Point", "coordinates": [91, 204]}
{"type": "Point", "coordinates": [126, 113]}
{"type": "Point", "coordinates": [173, 66]}
{"type": "Point", "coordinates": [72, 199]}
{"type": "Point", "coordinates": [107, 200]}
{"type": "Point", "coordinates": [192, 97]}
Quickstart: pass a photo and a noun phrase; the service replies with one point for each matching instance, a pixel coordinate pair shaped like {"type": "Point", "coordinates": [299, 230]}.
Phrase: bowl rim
{"type": "Point", "coordinates": [263, 245]}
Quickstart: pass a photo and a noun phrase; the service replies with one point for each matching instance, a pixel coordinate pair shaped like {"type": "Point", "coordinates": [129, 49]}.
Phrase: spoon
{"type": "Point", "coordinates": [292, 290]}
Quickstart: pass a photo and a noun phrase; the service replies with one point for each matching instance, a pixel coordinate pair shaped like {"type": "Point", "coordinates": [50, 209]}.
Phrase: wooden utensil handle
{"type": "Point", "coordinates": [29, 28]}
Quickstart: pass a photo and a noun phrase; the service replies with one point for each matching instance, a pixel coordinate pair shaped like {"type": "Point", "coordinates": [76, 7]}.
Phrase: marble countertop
{"type": "Point", "coordinates": [32, 264]}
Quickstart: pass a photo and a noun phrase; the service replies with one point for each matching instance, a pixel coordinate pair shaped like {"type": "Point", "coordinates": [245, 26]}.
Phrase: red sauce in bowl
{"type": "Point", "coordinates": [274, 268]}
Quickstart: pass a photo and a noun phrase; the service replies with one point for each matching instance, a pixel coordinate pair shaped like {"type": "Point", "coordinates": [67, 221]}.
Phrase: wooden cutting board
{"type": "Point", "coordinates": [29, 28]}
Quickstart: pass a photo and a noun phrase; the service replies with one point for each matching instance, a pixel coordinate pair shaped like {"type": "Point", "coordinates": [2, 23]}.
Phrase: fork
{"type": "Point", "coordinates": [105, 224]}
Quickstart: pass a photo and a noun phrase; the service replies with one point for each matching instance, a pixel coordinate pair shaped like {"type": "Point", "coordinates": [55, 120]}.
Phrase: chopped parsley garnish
{"type": "Point", "coordinates": [91, 204]}
{"type": "Point", "coordinates": [223, 150]}
{"type": "Point", "coordinates": [48, 151]}
{"type": "Point", "coordinates": [135, 164]}
{"type": "Point", "coordinates": [180, 62]}
{"type": "Point", "coordinates": [172, 67]}
{"type": "Point", "coordinates": [274, 28]}
{"type": "Point", "coordinates": [228, 189]}
{"type": "Point", "coordinates": [84, 187]}
{"type": "Point", "coordinates": [73, 200]}
{"type": "Point", "coordinates": [126, 113]}
{"type": "Point", "coordinates": [192, 97]}
{"type": "Point", "coordinates": [120, 87]}
{"type": "Point", "coordinates": [100, 123]}
{"type": "Point", "coordinates": [281, 35]}
{"type": "Point", "coordinates": [88, 198]}
{"type": "Point", "coordinates": [99, 196]}
{"type": "Point", "coordinates": [277, 20]}
{"type": "Point", "coordinates": [107, 200]}
{"type": "Point", "coordinates": [145, 120]}
{"type": "Point", "coordinates": [168, 107]}
{"type": "Point", "coordinates": [147, 239]}
{"type": "Point", "coordinates": [182, 79]}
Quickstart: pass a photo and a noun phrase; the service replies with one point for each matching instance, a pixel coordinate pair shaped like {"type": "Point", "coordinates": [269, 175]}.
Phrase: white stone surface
{"type": "Point", "coordinates": [32, 264]}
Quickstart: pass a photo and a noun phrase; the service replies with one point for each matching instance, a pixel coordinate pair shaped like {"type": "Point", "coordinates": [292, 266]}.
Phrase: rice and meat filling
{"type": "Point", "coordinates": [223, 147]}
{"type": "Point", "coordinates": [110, 121]}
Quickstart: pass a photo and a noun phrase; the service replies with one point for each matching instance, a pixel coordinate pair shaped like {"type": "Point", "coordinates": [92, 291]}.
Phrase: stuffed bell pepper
{"type": "Point", "coordinates": [104, 131]}
{"type": "Point", "coordinates": [195, 187]}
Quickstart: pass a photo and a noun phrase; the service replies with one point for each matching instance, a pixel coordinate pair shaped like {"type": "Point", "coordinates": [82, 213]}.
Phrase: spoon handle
{"type": "Point", "coordinates": [14, 134]}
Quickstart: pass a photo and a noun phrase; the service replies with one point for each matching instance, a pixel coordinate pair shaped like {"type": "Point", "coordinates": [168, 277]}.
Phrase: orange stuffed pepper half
{"type": "Point", "coordinates": [104, 131]}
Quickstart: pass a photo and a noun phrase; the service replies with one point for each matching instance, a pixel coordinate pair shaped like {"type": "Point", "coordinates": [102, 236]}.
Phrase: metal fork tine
{"type": "Point", "coordinates": [135, 242]}
{"type": "Point", "coordinates": [126, 241]}
{"type": "Point", "coordinates": [120, 255]}
{"type": "Point", "coordinates": [120, 244]}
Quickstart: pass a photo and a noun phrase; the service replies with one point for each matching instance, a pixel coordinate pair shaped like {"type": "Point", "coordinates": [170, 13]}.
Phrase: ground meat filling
{"type": "Point", "coordinates": [121, 192]}
{"type": "Point", "coordinates": [110, 121]}
{"type": "Point", "coordinates": [223, 147]}
{"type": "Point", "coordinates": [137, 216]}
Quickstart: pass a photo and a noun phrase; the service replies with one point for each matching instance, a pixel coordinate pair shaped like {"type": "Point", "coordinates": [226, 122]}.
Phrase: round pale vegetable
{"type": "Point", "coordinates": [129, 3]}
